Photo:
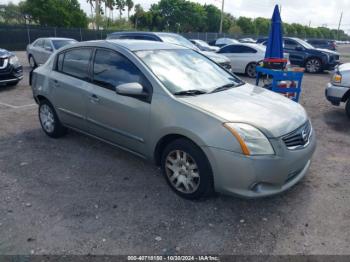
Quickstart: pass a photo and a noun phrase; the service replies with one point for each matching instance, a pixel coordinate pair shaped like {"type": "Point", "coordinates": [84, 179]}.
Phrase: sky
{"type": "Point", "coordinates": [316, 12]}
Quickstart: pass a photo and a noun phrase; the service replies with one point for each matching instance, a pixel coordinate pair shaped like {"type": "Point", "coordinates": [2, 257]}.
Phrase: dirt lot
{"type": "Point", "coordinates": [79, 196]}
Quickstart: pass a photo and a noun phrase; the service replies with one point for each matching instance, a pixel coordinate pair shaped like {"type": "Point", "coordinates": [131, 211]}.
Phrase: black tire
{"type": "Point", "coordinates": [32, 62]}
{"type": "Point", "coordinates": [203, 171]}
{"type": "Point", "coordinates": [313, 65]}
{"type": "Point", "coordinates": [249, 70]}
{"type": "Point", "coordinates": [57, 129]}
{"type": "Point", "coordinates": [347, 108]}
{"type": "Point", "coordinates": [13, 83]}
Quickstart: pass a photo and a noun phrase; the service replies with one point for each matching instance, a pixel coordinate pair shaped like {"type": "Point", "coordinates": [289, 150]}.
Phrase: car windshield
{"type": "Point", "coordinates": [202, 43]}
{"type": "Point", "coordinates": [61, 43]}
{"type": "Point", "coordinates": [184, 70]}
{"type": "Point", "coordinates": [177, 40]}
{"type": "Point", "coordinates": [305, 44]}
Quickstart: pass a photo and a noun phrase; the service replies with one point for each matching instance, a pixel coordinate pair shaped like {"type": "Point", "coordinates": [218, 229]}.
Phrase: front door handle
{"type": "Point", "coordinates": [94, 98]}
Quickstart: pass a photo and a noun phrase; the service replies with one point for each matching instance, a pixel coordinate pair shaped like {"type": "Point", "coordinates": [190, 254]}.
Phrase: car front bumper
{"type": "Point", "coordinates": [335, 94]}
{"type": "Point", "coordinates": [11, 74]}
{"type": "Point", "coordinates": [259, 176]}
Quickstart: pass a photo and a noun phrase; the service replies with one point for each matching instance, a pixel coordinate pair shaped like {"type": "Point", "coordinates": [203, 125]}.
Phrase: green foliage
{"type": "Point", "coordinates": [62, 13]}
{"type": "Point", "coordinates": [11, 14]}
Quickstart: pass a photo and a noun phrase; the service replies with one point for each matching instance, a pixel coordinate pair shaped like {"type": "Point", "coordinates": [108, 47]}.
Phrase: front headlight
{"type": "Point", "coordinates": [337, 77]}
{"type": "Point", "coordinates": [252, 140]}
{"type": "Point", "coordinates": [14, 60]}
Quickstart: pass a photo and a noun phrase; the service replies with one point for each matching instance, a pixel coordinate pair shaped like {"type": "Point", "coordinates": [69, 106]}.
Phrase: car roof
{"type": "Point", "coordinates": [56, 38]}
{"type": "Point", "coordinates": [142, 33]}
{"type": "Point", "coordinates": [132, 45]}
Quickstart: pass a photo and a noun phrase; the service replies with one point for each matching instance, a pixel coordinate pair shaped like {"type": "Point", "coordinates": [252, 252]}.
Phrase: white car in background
{"type": "Point", "coordinates": [221, 42]}
{"type": "Point", "coordinates": [244, 57]}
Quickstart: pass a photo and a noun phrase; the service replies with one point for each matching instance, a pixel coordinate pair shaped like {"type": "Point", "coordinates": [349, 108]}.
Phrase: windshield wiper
{"type": "Point", "coordinates": [224, 87]}
{"type": "Point", "coordinates": [192, 92]}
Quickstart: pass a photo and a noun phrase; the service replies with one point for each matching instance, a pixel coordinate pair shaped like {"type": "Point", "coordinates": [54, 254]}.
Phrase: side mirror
{"type": "Point", "coordinates": [131, 89]}
{"type": "Point", "coordinates": [49, 49]}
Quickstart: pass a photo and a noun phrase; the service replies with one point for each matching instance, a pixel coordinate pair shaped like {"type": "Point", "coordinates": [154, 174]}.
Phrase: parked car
{"type": "Point", "coordinates": [206, 128]}
{"type": "Point", "coordinates": [247, 40]}
{"type": "Point", "coordinates": [302, 54]}
{"type": "Point", "coordinates": [323, 44]}
{"type": "Point", "coordinates": [223, 41]}
{"type": "Point", "coordinates": [11, 71]}
{"type": "Point", "coordinates": [244, 57]}
{"type": "Point", "coordinates": [338, 91]}
{"type": "Point", "coordinates": [40, 50]}
{"type": "Point", "coordinates": [261, 40]}
{"type": "Point", "coordinates": [173, 39]}
{"type": "Point", "coordinates": [204, 46]}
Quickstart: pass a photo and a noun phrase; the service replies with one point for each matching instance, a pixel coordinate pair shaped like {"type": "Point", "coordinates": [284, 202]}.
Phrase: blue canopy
{"type": "Point", "coordinates": [274, 48]}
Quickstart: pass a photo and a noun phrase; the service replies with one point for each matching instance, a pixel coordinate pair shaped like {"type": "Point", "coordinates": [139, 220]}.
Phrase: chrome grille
{"type": "Point", "coordinates": [299, 138]}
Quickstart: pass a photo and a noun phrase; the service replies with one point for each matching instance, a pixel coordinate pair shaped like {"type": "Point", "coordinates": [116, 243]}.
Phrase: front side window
{"type": "Point", "coordinates": [184, 69]}
{"type": "Point", "coordinates": [112, 69]}
{"type": "Point", "coordinates": [75, 63]}
{"type": "Point", "coordinates": [47, 44]}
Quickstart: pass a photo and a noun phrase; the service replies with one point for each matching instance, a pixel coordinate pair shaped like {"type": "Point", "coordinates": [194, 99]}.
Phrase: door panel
{"type": "Point", "coordinates": [70, 86]}
{"type": "Point", "coordinates": [122, 120]}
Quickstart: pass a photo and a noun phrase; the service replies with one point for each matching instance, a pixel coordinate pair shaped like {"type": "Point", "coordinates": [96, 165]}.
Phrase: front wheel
{"type": "Point", "coordinates": [49, 120]}
{"type": "Point", "coordinates": [313, 65]}
{"type": "Point", "coordinates": [347, 108]}
{"type": "Point", "coordinates": [187, 169]}
{"type": "Point", "coordinates": [32, 62]}
{"type": "Point", "coordinates": [251, 70]}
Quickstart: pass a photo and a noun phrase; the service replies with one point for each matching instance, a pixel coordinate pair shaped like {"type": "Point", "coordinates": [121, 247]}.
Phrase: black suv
{"type": "Point", "coordinates": [323, 43]}
{"type": "Point", "coordinates": [302, 54]}
{"type": "Point", "coordinates": [11, 71]}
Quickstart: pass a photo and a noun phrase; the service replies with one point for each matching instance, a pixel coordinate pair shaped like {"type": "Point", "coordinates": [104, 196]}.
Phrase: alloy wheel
{"type": "Point", "coordinates": [313, 66]}
{"type": "Point", "coordinates": [182, 171]}
{"type": "Point", "coordinates": [251, 70]}
{"type": "Point", "coordinates": [47, 118]}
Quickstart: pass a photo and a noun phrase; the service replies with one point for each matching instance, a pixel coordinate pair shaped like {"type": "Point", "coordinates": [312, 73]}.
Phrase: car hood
{"type": "Point", "coordinates": [327, 51]}
{"type": "Point", "coordinates": [272, 113]}
{"type": "Point", "coordinates": [216, 57]}
{"type": "Point", "coordinates": [4, 53]}
{"type": "Point", "coordinates": [344, 67]}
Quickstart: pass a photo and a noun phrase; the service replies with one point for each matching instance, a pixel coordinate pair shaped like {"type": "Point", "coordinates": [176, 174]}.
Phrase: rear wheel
{"type": "Point", "coordinates": [347, 108]}
{"type": "Point", "coordinates": [187, 169]}
{"type": "Point", "coordinates": [313, 65]}
{"type": "Point", "coordinates": [49, 120]}
{"type": "Point", "coordinates": [251, 70]}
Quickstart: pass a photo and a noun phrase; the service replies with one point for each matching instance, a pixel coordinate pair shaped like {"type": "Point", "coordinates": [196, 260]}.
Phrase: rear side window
{"type": "Point", "coordinates": [75, 63]}
{"type": "Point", "coordinates": [39, 43]}
{"type": "Point", "coordinates": [112, 69]}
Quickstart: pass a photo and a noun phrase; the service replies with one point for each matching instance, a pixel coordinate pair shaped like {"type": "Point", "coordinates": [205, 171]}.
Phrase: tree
{"type": "Point", "coordinates": [138, 13]}
{"type": "Point", "coordinates": [120, 4]}
{"type": "Point", "coordinates": [129, 5]}
{"type": "Point", "coordinates": [60, 13]}
{"type": "Point", "coordinates": [11, 14]}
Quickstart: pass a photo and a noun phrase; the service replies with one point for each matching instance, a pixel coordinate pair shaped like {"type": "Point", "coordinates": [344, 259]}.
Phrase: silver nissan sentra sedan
{"type": "Point", "coordinates": [207, 129]}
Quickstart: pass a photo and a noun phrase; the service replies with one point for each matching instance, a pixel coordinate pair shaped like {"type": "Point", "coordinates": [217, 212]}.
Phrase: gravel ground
{"type": "Point", "coordinates": [77, 195]}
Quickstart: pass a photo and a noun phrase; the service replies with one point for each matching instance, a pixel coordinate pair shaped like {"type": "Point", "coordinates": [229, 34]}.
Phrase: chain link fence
{"type": "Point", "coordinates": [16, 38]}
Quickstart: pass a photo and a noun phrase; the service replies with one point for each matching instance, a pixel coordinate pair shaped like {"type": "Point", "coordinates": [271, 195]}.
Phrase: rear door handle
{"type": "Point", "coordinates": [94, 98]}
